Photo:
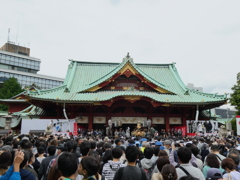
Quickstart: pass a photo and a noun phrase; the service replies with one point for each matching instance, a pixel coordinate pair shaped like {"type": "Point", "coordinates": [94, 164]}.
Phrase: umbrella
{"type": "Point", "coordinates": [143, 139]}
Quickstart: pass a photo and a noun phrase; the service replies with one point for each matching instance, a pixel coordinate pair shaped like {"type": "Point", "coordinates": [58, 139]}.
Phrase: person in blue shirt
{"type": "Point", "coordinates": [13, 172]}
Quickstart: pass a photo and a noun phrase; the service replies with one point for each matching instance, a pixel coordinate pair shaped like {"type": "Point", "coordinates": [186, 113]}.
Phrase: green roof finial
{"type": "Point", "coordinates": [128, 58]}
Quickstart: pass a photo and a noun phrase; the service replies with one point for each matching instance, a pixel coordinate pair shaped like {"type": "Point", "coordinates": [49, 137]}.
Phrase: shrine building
{"type": "Point", "coordinates": [94, 92]}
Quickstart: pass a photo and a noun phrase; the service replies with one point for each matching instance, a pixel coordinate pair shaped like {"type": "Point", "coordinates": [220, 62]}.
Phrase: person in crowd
{"type": "Point", "coordinates": [212, 162]}
{"type": "Point", "coordinates": [185, 168]}
{"type": "Point", "coordinates": [195, 152]}
{"type": "Point", "coordinates": [169, 172]}
{"type": "Point", "coordinates": [160, 163]}
{"type": "Point", "coordinates": [144, 145]}
{"type": "Point", "coordinates": [85, 147]}
{"type": "Point", "coordinates": [214, 174]}
{"type": "Point", "coordinates": [215, 150]}
{"type": "Point", "coordinates": [88, 168]}
{"type": "Point", "coordinates": [25, 174]}
{"type": "Point", "coordinates": [68, 165]}
{"type": "Point", "coordinates": [41, 152]}
{"type": "Point", "coordinates": [45, 163]}
{"type": "Point", "coordinates": [146, 162]}
{"type": "Point", "coordinates": [13, 173]}
{"type": "Point", "coordinates": [110, 168]}
{"type": "Point", "coordinates": [155, 154]}
{"type": "Point", "coordinates": [106, 157]}
{"type": "Point", "coordinates": [30, 167]}
{"type": "Point", "coordinates": [93, 145]}
{"type": "Point", "coordinates": [130, 172]}
{"type": "Point", "coordinates": [234, 155]}
{"type": "Point", "coordinates": [167, 145]}
{"type": "Point", "coordinates": [5, 161]}
{"type": "Point", "coordinates": [52, 171]}
{"type": "Point", "coordinates": [78, 141]}
{"type": "Point", "coordinates": [118, 143]}
{"type": "Point", "coordinates": [229, 166]}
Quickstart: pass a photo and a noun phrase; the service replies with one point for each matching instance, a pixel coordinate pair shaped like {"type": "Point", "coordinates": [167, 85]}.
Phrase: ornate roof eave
{"type": "Point", "coordinates": [127, 65]}
{"type": "Point", "coordinates": [60, 101]}
{"type": "Point", "coordinates": [96, 102]}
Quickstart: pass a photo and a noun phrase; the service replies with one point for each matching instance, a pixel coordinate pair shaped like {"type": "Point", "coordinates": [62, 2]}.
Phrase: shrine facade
{"type": "Point", "coordinates": [126, 93]}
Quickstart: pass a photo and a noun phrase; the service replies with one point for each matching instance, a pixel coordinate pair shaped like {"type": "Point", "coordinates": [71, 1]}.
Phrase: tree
{"type": "Point", "coordinates": [10, 88]}
{"type": "Point", "coordinates": [234, 125]}
{"type": "Point", "coordinates": [235, 96]}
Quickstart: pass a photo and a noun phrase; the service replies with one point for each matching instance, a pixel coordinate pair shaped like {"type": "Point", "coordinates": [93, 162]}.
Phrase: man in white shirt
{"type": "Point", "coordinates": [215, 150]}
{"type": "Point", "coordinates": [185, 168]}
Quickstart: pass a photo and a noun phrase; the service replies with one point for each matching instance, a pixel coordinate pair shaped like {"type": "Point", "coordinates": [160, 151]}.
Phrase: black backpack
{"type": "Point", "coordinates": [120, 172]}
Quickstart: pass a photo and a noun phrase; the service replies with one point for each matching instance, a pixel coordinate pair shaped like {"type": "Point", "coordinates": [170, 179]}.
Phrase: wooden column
{"type": "Point", "coordinates": [184, 117]}
{"type": "Point", "coordinates": [167, 119]}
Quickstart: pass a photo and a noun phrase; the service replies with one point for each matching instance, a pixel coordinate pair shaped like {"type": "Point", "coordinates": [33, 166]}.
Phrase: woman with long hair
{"type": "Point", "coordinates": [212, 162]}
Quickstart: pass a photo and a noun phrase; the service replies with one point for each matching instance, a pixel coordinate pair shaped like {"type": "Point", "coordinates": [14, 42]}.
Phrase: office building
{"type": "Point", "coordinates": [15, 61]}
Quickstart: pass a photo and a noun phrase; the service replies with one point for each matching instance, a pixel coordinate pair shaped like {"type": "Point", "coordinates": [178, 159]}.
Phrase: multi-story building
{"type": "Point", "coordinates": [191, 86]}
{"type": "Point", "coordinates": [15, 61]}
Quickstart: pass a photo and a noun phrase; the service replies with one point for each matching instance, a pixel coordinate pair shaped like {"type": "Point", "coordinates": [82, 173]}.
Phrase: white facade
{"type": "Point", "coordinates": [24, 69]}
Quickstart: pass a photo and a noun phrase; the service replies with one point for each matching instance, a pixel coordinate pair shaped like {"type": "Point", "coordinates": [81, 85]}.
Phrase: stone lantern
{"type": "Point", "coordinates": [8, 121]}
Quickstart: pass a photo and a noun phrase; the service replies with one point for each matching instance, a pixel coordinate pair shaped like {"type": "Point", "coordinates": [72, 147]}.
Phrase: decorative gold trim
{"type": "Point", "coordinates": [97, 104]}
{"type": "Point", "coordinates": [112, 87]}
{"type": "Point", "coordinates": [95, 88]}
{"type": "Point", "coordinates": [128, 66]}
{"type": "Point", "coordinates": [141, 88]}
{"type": "Point", "coordinates": [166, 104]}
{"type": "Point", "coordinates": [161, 90]}
{"type": "Point", "coordinates": [132, 98]}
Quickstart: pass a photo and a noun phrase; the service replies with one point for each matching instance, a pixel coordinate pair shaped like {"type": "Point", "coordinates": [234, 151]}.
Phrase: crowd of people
{"type": "Point", "coordinates": [57, 157]}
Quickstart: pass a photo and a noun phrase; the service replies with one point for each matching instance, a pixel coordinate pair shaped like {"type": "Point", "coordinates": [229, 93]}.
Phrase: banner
{"type": "Point", "coordinates": [238, 124]}
{"type": "Point", "coordinates": [75, 129]}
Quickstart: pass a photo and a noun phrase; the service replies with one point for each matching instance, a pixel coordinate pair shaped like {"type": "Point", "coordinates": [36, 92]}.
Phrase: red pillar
{"type": "Point", "coordinates": [90, 122]}
{"type": "Point", "coordinates": [90, 118]}
{"type": "Point", "coordinates": [167, 122]}
{"type": "Point", "coordinates": [167, 119]}
{"type": "Point", "coordinates": [184, 123]}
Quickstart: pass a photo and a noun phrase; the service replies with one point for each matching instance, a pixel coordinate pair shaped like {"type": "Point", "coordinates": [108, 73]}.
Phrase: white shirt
{"type": "Point", "coordinates": [194, 172]}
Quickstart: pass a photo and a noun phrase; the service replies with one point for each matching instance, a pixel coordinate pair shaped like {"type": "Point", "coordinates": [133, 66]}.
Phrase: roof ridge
{"type": "Point", "coordinates": [204, 93]}
{"type": "Point", "coordinates": [44, 90]}
{"type": "Point", "coordinates": [23, 111]}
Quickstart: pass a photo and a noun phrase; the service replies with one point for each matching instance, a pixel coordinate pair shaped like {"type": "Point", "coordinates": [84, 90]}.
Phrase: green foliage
{"type": "Point", "coordinates": [235, 96]}
{"type": "Point", "coordinates": [234, 125]}
{"type": "Point", "coordinates": [10, 88]}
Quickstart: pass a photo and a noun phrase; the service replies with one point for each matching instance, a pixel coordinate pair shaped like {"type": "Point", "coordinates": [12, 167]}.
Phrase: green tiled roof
{"type": "Point", "coordinates": [34, 111]}
{"type": "Point", "coordinates": [82, 76]}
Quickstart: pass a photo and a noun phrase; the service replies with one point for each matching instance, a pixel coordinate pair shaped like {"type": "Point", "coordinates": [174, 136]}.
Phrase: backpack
{"type": "Point", "coordinates": [149, 171]}
{"type": "Point", "coordinates": [121, 173]}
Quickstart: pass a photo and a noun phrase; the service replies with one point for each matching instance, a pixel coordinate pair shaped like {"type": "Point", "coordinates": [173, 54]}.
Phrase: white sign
{"type": "Point", "coordinates": [41, 124]}
{"type": "Point", "coordinates": [238, 124]}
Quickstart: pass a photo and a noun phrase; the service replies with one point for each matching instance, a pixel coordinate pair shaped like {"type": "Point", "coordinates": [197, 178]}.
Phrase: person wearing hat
{"type": "Point", "coordinates": [106, 139]}
{"type": "Point", "coordinates": [214, 173]}
{"type": "Point", "coordinates": [167, 145]}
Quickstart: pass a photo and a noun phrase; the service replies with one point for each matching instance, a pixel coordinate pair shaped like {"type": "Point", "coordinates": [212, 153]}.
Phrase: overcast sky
{"type": "Point", "coordinates": [202, 37]}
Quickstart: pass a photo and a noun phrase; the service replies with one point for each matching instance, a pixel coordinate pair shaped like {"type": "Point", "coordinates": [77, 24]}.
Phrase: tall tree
{"type": "Point", "coordinates": [10, 88]}
{"type": "Point", "coordinates": [235, 96]}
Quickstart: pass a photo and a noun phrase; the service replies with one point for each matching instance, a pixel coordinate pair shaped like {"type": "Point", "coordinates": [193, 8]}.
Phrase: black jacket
{"type": "Point", "coordinates": [43, 166]}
